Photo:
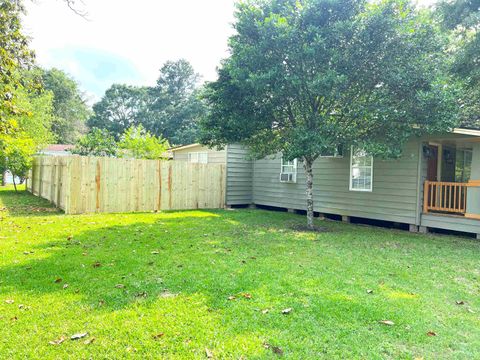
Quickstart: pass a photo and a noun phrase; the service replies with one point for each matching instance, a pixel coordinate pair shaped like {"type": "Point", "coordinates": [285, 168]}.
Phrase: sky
{"type": "Point", "coordinates": [127, 42]}
{"type": "Point", "coordinates": [124, 41]}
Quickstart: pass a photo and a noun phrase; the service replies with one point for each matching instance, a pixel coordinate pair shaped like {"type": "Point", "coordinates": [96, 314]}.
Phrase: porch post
{"type": "Point", "coordinates": [473, 192]}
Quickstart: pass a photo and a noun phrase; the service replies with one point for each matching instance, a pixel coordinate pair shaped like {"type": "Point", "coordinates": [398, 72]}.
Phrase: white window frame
{"type": "Point", "coordinates": [352, 152]}
{"type": "Point", "coordinates": [194, 157]}
{"type": "Point", "coordinates": [293, 172]}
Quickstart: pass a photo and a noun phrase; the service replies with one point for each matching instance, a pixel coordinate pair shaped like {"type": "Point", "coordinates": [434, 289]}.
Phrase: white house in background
{"type": "Point", "coordinates": [197, 153]}
{"type": "Point", "coordinates": [57, 150]}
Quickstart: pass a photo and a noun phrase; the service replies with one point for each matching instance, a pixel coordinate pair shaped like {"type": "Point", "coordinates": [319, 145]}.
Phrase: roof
{"type": "Point", "coordinates": [58, 147]}
{"type": "Point", "coordinates": [185, 147]}
{"type": "Point", "coordinates": [465, 131]}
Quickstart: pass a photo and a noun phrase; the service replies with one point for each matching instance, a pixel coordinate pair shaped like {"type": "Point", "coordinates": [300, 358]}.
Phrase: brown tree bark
{"type": "Point", "coordinates": [308, 167]}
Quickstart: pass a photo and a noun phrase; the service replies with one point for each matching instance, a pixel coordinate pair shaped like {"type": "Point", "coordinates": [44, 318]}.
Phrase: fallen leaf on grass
{"type": "Point", "coordinates": [265, 311]}
{"type": "Point", "coordinates": [387, 322]}
{"type": "Point", "coordinates": [58, 341]}
{"type": "Point", "coordinates": [470, 311]}
{"type": "Point", "coordinates": [70, 237]}
{"type": "Point", "coordinates": [275, 349]}
{"type": "Point", "coordinates": [96, 264]}
{"type": "Point", "coordinates": [155, 252]}
{"type": "Point", "coordinates": [89, 341]}
{"type": "Point", "coordinates": [158, 336]}
{"type": "Point", "coordinates": [369, 291]}
{"type": "Point", "coordinates": [119, 286]}
{"type": "Point", "coordinates": [431, 333]}
{"type": "Point", "coordinates": [58, 280]}
{"type": "Point", "coordinates": [65, 286]}
{"type": "Point", "coordinates": [286, 311]}
{"type": "Point", "coordinates": [460, 302]}
{"type": "Point", "coordinates": [78, 336]}
{"type": "Point", "coordinates": [231, 298]}
{"type": "Point", "coordinates": [14, 318]}
{"type": "Point", "coordinates": [247, 296]}
{"type": "Point", "coordinates": [208, 353]}
{"type": "Point", "coordinates": [9, 301]}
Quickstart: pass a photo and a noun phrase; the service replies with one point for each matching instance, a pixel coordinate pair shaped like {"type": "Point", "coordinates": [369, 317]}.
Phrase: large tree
{"type": "Point", "coordinates": [461, 18]}
{"type": "Point", "coordinates": [176, 107]}
{"type": "Point", "coordinates": [69, 106]}
{"type": "Point", "coordinates": [121, 107]}
{"type": "Point", "coordinates": [15, 56]}
{"type": "Point", "coordinates": [305, 76]}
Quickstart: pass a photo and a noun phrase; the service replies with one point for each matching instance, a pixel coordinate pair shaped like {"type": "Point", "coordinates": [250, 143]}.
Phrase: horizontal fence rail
{"type": "Point", "coordinates": [80, 184]}
{"type": "Point", "coordinates": [448, 197]}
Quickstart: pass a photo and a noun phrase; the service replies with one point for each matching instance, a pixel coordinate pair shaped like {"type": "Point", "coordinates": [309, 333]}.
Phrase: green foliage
{"type": "Point", "coordinates": [461, 18]}
{"type": "Point", "coordinates": [176, 107]}
{"type": "Point", "coordinates": [98, 142]}
{"type": "Point", "coordinates": [138, 143]}
{"type": "Point", "coordinates": [16, 154]}
{"type": "Point", "coordinates": [36, 119]}
{"type": "Point", "coordinates": [33, 128]}
{"type": "Point", "coordinates": [14, 56]}
{"type": "Point", "coordinates": [305, 76]}
{"type": "Point", "coordinates": [69, 106]}
{"type": "Point", "coordinates": [121, 107]}
{"type": "Point", "coordinates": [170, 110]}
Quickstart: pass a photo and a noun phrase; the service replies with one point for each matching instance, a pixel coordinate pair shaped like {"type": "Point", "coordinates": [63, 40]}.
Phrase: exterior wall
{"type": "Point", "coordinates": [214, 156]}
{"type": "Point", "coordinates": [473, 193]}
{"type": "Point", "coordinates": [394, 196]}
{"type": "Point", "coordinates": [454, 223]}
{"type": "Point", "coordinates": [239, 176]}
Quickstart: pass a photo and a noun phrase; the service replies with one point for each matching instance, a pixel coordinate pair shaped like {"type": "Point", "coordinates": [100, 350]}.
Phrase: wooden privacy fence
{"type": "Point", "coordinates": [80, 184]}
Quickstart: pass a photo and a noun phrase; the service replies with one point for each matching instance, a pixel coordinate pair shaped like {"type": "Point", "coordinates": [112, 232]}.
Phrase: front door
{"type": "Point", "coordinates": [432, 169]}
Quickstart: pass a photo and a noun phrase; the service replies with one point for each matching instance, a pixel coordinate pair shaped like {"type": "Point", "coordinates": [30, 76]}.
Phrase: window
{"type": "Point", "coordinates": [333, 152]}
{"type": "Point", "coordinates": [361, 170]}
{"type": "Point", "coordinates": [288, 172]}
{"type": "Point", "coordinates": [198, 157]}
{"type": "Point", "coordinates": [463, 165]}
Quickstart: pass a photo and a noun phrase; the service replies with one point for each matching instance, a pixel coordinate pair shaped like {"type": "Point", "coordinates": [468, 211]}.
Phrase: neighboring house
{"type": "Point", "coordinates": [57, 150]}
{"type": "Point", "coordinates": [196, 153]}
{"type": "Point", "coordinates": [435, 184]}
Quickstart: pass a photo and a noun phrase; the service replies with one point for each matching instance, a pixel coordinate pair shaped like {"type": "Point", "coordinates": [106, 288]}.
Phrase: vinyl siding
{"type": "Point", "coordinates": [239, 176]}
{"type": "Point", "coordinates": [214, 156]}
{"type": "Point", "coordinates": [455, 223]}
{"type": "Point", "coordinates": [394, 195]}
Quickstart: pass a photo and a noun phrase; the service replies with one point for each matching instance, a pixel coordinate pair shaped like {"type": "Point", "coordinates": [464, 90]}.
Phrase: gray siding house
{"type": "Point", "coordinates": [435, 184]}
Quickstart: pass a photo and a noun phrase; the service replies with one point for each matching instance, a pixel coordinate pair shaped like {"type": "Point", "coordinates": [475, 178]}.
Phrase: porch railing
{"type": "Point", "coordinates": [447, 197]}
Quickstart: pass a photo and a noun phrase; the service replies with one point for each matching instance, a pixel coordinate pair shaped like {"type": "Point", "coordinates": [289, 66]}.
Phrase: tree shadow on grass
{"type": "Point", "coordinates": [22, 203]}
{"type": "Point", "coordinates": [229, 267]}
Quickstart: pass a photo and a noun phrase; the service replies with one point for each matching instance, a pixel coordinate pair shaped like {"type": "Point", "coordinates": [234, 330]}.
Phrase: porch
{"type": "Point", "coordinates": [452, 173]}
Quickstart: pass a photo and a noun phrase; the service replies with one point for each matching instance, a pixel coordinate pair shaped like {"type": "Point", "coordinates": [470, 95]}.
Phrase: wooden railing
{"type": "Point", "coordinates": [447, 197]}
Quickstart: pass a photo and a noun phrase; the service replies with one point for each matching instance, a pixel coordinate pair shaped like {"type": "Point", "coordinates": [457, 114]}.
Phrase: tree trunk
{"type": "Point", "coordinates": [4, 178]}
{"type": "Point", "coordinates": [307, 165]}
{"type": "Point", "coordinates": [14, 184]}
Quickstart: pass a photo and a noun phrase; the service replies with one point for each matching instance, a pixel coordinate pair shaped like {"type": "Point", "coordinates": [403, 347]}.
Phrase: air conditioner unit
{"type": "Point", "coordinates": [288, 177]}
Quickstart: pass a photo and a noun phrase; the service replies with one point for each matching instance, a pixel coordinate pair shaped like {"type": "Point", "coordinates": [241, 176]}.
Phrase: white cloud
{"type": "Point", "coordinates": [141, 33]}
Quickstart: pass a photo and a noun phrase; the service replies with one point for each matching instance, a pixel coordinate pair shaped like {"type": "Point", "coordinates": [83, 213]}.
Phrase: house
{"type": "Point", "coordinates": [197, 153]}
{"type": "Point", "coordinates": [57, 150]}
{"type": "Point", "coordinates": [435, 184]}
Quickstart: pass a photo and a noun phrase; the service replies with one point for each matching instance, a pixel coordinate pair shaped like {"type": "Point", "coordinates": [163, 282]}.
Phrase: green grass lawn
{"type": "Point", "coordinates": [179, 285]}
